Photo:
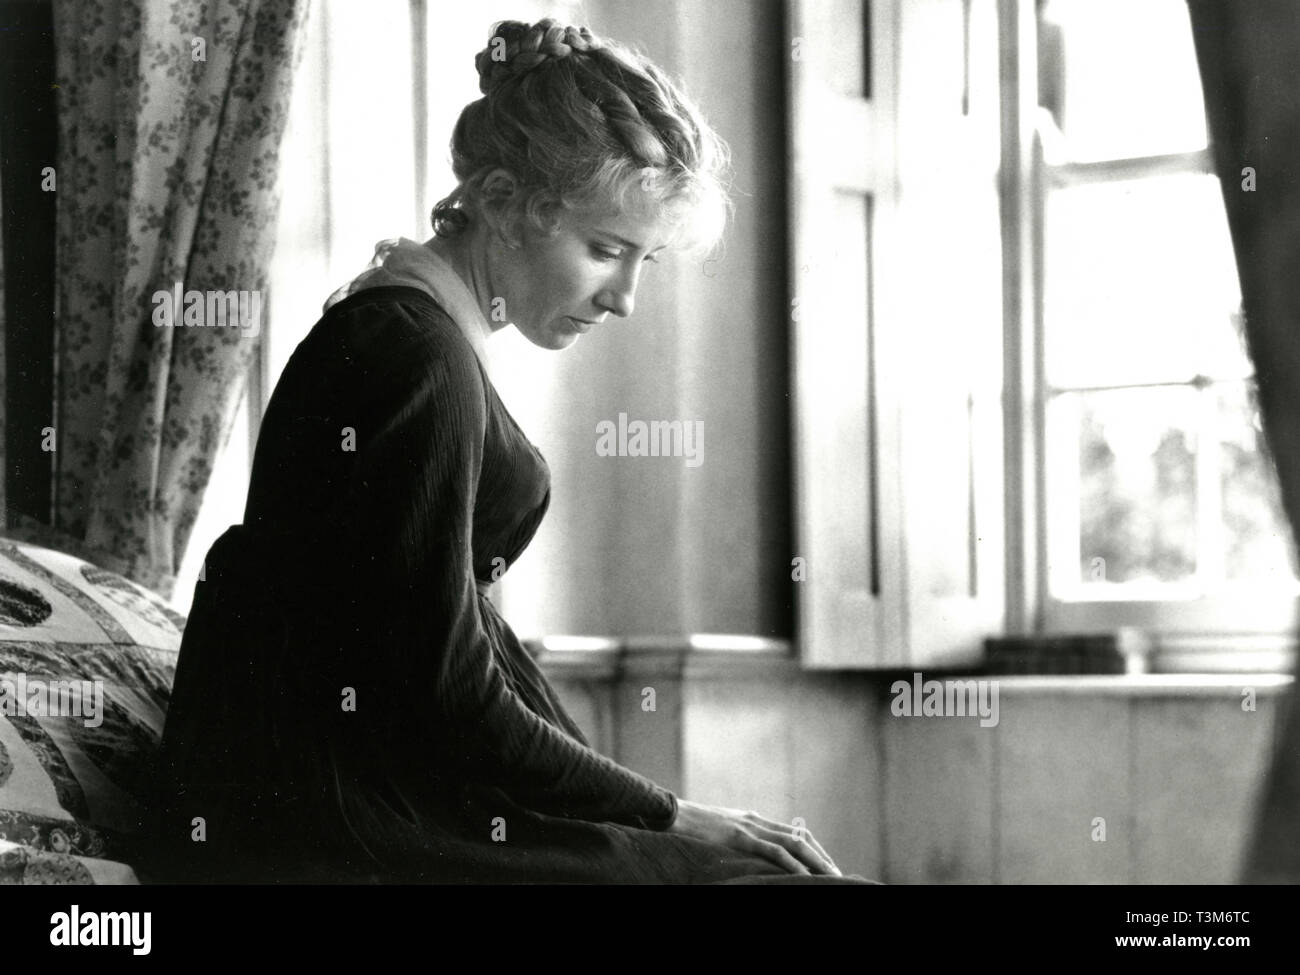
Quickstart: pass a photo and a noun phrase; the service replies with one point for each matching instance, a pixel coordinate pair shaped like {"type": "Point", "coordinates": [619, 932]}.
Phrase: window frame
{"type": "Point", "coordinates": [1216, 631]}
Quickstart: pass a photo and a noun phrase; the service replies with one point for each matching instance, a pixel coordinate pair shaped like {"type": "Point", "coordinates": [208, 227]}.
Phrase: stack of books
{"type": "Point", "coordinates": [1122, 652]}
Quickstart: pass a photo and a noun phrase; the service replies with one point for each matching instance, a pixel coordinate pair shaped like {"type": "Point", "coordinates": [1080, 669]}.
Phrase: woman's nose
{"type": "Point", "coordinates": [619, 303]}
{"type": "Point", "coordinates": [620, 297]}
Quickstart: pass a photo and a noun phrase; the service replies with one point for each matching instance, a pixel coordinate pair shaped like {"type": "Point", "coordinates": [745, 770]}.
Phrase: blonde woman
{"type": "Point", "coordinates": [348, 703]}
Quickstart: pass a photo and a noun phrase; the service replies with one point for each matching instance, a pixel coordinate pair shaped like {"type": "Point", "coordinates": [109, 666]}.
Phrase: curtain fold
{"type": "Point", "coordinates": [1249, 57]}
{"type": "Point", "coordinates": [171, 116]}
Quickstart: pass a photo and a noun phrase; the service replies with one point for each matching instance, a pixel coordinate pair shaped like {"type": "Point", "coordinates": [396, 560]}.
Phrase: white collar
{"type": "Point", "coordinates": [402, 261]}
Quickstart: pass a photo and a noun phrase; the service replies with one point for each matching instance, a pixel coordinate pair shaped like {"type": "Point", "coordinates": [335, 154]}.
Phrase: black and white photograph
{"type": "Point", "coordinates": [651, 442]}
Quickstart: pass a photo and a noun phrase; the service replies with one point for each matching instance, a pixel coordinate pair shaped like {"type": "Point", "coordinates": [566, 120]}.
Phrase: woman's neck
{"type": "Point", "coordinates": [467, 255]}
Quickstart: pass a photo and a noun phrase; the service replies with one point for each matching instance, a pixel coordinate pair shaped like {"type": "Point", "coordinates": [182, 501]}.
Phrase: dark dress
{"type": "Point", "coordinates": [349, 705]}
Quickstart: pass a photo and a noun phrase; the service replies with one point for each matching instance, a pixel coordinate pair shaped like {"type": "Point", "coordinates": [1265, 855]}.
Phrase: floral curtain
{"type": "Point", "coordinates": [171, 114]}
{"type": "Point", "coordinates": [1249, 56]}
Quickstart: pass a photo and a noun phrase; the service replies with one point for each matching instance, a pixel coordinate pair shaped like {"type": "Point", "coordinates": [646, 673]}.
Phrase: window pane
{"type": "Point", "coordinates": [1140, 283]}
{"type": "Point", "coordinates": [1125, 78]}
{"type": "Point", "coordinates": [1134, 519]}
{"type": "Point", "coordinates": [1258, 544]}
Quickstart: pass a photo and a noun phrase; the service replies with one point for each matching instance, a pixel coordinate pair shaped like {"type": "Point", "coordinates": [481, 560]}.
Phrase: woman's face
{"type": "Point", "coordinates": [557, 287]}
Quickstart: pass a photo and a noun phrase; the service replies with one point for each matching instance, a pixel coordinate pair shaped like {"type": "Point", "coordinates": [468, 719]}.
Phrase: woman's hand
{"type": "Point", "coordinates": [791, 847]}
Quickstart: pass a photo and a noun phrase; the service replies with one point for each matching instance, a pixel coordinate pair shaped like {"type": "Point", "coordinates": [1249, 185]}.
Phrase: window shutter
{"type": "Point", "coordinates": [896, 325]}
{"type": "Point", "coordinates": [947, 262]}
{"type": "Point", "coordinates": [847, 523]}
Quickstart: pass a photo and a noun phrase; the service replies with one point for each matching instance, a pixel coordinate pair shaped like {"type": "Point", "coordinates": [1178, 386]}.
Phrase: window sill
{"type": "Point", "coordinates": [1223, 654]}
{"type": "Point", "coordinates": [690, 655]}
{"type": "Point", "coordinates": [1149, 685]}
{"type": "Point", "coordinates": [1173, 664]}
{"type": "Point", "coordinates": [1128, 651]}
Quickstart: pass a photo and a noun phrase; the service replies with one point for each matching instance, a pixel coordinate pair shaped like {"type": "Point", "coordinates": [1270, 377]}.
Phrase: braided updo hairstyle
{"type": "Point", "coordinates": [583, 122]}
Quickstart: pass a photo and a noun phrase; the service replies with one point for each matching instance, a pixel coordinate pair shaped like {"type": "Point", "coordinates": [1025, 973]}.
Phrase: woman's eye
{"type": "Point", "coordinates": [603, 254]}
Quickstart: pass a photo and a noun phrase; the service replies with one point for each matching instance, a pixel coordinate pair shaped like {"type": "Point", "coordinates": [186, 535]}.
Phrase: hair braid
{"type": "Point", "coordinates": [628, 124]}
{"type": "Point", "coordinates": [515, 49]}
{"type": "Point", "coordinates": [581, 121]}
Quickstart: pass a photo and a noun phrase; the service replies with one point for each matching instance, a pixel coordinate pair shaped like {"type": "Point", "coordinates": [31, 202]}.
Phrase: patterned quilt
{"type": "Point", "coordinates": [87, 660]}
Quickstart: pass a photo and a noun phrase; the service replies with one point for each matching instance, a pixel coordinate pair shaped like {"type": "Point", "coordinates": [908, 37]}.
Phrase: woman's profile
{"type": "Point", "coordinates": [349, 705]}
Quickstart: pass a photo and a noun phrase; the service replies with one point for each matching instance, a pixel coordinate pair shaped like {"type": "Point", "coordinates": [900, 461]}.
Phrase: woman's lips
{"type": "Point", "coordinates": [579, 325]}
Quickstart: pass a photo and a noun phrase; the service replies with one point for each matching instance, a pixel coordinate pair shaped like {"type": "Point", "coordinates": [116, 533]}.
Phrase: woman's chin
{"type": "Point", "coordinates": [553, 337]}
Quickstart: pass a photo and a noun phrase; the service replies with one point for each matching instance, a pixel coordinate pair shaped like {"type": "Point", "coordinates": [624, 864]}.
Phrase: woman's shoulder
{"type": "Point", "coordinates": [400, 323]}
{"type": "Point", "coordinates": [393, 306]}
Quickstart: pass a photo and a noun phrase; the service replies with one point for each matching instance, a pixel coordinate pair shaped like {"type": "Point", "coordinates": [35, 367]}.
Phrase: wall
{"type": "Point", "coordinates": [643, 545]}
{"type": "Point", "coordinates": [1173, 765]}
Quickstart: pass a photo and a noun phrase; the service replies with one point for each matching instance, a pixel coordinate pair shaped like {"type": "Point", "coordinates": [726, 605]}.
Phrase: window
{"type": "Point", "coordinates": [1158, 507]}
{"type": "Point", "coordinates": [1115, 429]}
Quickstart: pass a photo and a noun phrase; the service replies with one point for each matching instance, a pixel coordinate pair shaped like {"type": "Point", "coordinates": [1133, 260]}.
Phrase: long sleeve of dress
{"type": "Point", "coordinates": [417, 402]}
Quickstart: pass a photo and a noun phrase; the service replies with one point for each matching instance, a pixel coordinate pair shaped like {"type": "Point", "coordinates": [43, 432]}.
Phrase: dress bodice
{"type": "Point", "coordinates": [514, 492]}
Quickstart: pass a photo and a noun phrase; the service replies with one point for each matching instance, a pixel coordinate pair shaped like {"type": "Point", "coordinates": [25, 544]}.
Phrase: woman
{"type": "Point", "coordinates": [348, 703]}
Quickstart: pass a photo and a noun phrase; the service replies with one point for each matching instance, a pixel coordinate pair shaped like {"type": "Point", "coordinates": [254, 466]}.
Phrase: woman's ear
{"type": "Point", "coordinates": [497, 202]}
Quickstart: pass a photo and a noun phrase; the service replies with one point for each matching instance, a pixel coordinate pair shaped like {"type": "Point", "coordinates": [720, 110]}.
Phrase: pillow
{"type": "Point", "coordinates": [87, 660]}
